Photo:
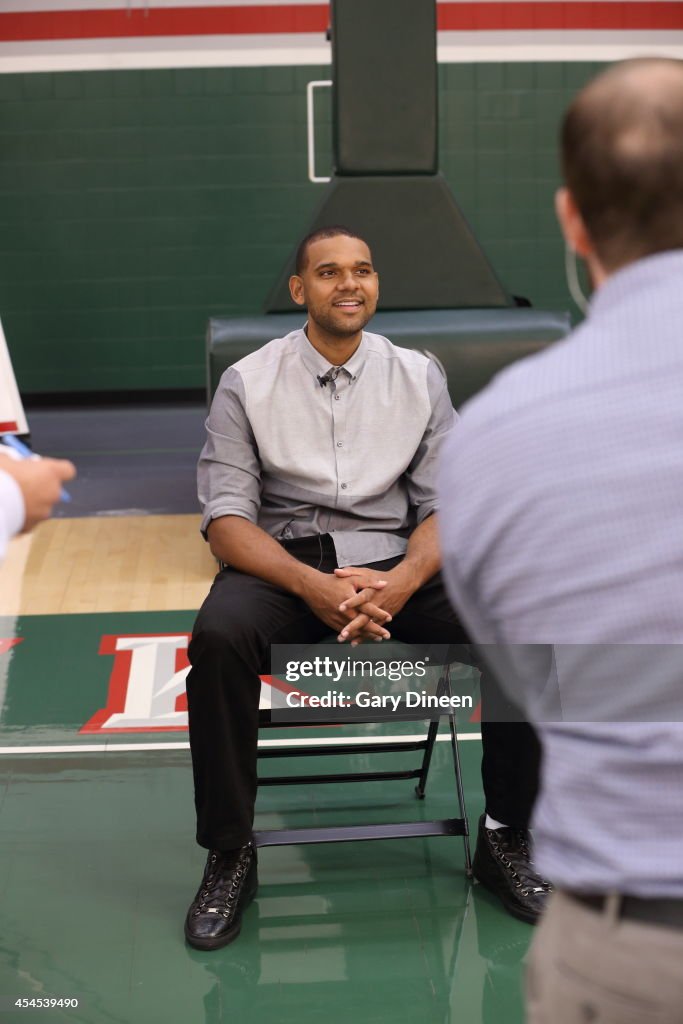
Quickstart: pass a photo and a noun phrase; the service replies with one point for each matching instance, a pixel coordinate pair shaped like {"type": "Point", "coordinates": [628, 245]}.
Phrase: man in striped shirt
{"type": "Point", "coordinates": [562, 491]}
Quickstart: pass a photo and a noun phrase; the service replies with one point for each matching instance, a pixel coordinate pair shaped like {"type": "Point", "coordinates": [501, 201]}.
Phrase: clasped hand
{"type": "Point", "coordinates": [357, 602]}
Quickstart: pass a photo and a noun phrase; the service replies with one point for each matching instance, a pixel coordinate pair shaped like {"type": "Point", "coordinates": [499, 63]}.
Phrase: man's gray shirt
{"type": "Point", "coordinates": [562, 523]}
{"type": "Point", "coordinates": [355, 458]}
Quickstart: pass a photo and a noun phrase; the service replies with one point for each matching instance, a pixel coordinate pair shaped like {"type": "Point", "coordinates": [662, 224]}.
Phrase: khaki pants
{"type": "Point", "coordinates": [588, 966]}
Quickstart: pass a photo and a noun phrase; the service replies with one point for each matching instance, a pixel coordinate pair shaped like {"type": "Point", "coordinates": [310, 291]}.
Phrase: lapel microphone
{"type": "Point", "coordinates": [329, 377]}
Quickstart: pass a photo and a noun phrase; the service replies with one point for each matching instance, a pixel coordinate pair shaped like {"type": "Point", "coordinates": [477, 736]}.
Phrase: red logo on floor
{"type": "Point", "coordinates": [147, 685]}
{"type": "Point", "coordinates": [7, 642]}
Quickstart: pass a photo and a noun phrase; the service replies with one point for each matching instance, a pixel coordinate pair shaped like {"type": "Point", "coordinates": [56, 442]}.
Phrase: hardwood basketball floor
{"type": "Point", "coordinates": [107, 564]}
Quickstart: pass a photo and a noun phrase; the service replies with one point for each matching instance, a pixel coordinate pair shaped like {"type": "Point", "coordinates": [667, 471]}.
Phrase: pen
{"type": "Point", "coordinates": [20, 448]}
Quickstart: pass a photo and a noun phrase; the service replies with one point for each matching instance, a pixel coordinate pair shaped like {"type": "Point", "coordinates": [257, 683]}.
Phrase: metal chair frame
{"type": "Point", "coordinates": [348, 833]}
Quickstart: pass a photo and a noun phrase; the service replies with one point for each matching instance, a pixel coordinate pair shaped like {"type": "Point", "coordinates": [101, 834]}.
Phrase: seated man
{"type": "Point", "coordinates": [317, 482]}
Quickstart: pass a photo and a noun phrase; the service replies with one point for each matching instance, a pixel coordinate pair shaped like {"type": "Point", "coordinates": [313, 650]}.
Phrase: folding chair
{"type": "Point", "coordinates": [456, 826]}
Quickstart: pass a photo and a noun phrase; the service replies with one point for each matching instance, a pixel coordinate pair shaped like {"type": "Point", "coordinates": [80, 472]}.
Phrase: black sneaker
{"type": "Point", "coordinates": [503, 864]}
{"type": "Point", "coordinates": [229, 884]}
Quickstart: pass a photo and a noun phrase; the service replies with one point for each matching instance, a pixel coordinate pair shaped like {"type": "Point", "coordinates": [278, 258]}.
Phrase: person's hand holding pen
{"type": "Point", "coordinates": [40, 480]}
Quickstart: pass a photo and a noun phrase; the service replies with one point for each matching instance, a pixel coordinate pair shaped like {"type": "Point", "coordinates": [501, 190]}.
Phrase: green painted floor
{"type": "Point", "coordinates": [98, 865]}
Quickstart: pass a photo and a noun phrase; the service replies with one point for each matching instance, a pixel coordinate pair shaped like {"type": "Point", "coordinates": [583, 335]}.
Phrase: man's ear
{"type": "Point", "coordinates": [296, 290]}
{"type": "Point", "coordinates": [573, 228]}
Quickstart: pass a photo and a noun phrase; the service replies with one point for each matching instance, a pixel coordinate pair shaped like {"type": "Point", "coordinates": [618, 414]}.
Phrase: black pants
{"type": "Point", "coordinates": [230, 648]}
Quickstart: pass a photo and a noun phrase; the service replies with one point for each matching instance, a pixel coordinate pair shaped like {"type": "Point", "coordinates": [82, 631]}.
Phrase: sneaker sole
{"type": "Point", "coordinates": [220, 940]}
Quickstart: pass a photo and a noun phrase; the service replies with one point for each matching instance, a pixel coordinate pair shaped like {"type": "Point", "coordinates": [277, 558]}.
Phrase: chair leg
{"type": "Point", "coordinates": [443, 686]}
{"type": "Point", "coordinates": [461, 793]}
{"type": "Point", "coordinates": [426, 760]}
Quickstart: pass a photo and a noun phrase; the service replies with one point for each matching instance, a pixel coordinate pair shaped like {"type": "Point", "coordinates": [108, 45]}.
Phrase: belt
{"type": "Point", "coordinates": [665, 912]}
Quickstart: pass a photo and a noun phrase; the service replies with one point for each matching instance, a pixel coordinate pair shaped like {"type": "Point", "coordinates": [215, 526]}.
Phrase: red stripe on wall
{"type": "Point", "coordinates": [314, 18]}
{"type": "Point", "coordinates": [584, 14]}
{"type": "Point", "coordinates": [170, 21]}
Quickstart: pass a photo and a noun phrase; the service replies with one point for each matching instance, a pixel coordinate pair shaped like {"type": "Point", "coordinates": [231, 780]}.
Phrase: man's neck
{"type": "Point", "coordinates": [597, 272]}
{"type": "Point", "coordinates": [330, 346]}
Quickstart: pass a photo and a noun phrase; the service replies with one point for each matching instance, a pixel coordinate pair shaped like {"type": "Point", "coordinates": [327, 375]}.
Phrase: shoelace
{"type": "Point", "coordinates": [529, 880]}
{"type": "Point", "coordinates": [542, 883]}
{"type": "Point", "coordinates": [222, 899]}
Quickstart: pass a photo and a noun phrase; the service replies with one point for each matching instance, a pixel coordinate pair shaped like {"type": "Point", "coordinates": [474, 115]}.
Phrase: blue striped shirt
{"type": "Point", "coordinates": [562, 523]}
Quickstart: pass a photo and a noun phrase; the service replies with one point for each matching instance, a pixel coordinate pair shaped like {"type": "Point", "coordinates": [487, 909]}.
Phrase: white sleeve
{"type": "Point", "coordinates": [12, 511]}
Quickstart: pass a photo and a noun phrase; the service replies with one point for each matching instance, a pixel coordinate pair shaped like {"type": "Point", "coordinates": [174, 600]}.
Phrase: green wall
{"type": "Point", "coordinates": [134, 204]}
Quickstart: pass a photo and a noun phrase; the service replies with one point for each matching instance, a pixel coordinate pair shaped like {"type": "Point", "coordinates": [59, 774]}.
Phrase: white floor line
{"type": "Point", "coordinates": [110, 747]}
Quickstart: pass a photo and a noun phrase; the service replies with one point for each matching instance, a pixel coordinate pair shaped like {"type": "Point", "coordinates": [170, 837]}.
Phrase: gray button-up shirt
{"type": "Point", "coordinates": [355, 458]}
{"type": "Point", "coordinates": [562, 523]}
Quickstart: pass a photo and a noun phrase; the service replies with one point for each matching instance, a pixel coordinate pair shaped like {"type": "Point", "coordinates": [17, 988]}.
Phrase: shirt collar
{"type": "Point", "coordinates": [318, 365]}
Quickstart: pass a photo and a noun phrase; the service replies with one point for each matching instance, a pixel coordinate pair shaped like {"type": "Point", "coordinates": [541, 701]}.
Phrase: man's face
{"type": "Point", "coordinates": [338, 285]}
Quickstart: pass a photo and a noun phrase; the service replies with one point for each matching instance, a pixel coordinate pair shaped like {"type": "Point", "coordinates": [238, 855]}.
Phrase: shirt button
{"type": "Point", "coordinates": [337, 397]}
{"type": "Point", "coordinates": [343, 487]}
{"type": "Point", "coordinates": [339, 444]}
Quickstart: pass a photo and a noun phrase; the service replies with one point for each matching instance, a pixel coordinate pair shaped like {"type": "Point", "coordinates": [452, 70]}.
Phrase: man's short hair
{"type": "Point", "coordinates": [622, 158]}
{"type": "Point", "coordinates": [315, 236]}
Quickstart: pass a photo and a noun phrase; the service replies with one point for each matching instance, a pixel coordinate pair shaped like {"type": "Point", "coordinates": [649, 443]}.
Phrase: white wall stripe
{"type": "Point", "coordinates": [304, 50]}
{"type": "Point", "coordinates": [164, 52]}
{"type": "Point", "coordinates": [111, 747]}
{"type": "Point", "coordinates": [580, 45]}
